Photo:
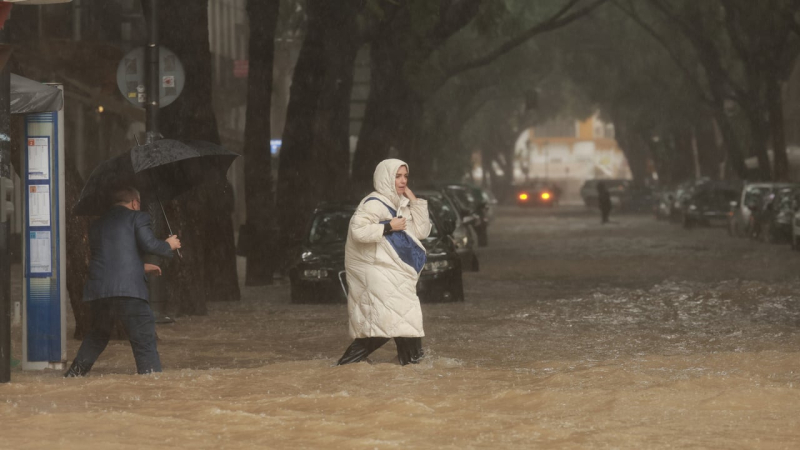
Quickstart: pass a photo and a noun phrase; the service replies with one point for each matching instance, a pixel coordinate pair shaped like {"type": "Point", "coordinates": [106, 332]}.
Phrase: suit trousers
{"type": "Point", "coordinates": [139, 323]}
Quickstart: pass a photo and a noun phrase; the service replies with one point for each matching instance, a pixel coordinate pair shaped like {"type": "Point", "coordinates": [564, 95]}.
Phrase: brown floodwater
{"type": "Point", "coordinates": [638, 334]}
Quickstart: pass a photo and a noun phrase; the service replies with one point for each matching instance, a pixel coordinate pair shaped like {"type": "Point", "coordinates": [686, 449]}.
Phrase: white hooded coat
{"type": "Point", "coordinates": [382, 289]}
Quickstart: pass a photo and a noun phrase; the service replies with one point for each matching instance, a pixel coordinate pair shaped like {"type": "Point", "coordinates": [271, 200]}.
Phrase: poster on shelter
{"type": "Point", "coordinates": [39, 158]}
{"type": "Point", "coordinates": [41, 248]}
{"type": "Point", "coordinates": [39, 205]}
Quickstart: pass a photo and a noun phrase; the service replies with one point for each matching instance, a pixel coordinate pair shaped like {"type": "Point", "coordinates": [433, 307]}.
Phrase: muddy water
{"type": "Point", "coordinates": [574, 335]}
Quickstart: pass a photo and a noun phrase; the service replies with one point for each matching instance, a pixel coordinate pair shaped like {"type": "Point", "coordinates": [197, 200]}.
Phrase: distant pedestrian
{"type": "Point", "coordinates": [116, 288]}
{"type": "Point", "coordinates": [604, 201]}
{"type": "Point", "coordinates": [383, 259]}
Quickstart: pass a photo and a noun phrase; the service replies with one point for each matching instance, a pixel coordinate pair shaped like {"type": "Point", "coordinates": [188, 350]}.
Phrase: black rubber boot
{"type": "Point", "coordinates": [409, 350]}
{"type": "Point", "coordinates": [360, 349]}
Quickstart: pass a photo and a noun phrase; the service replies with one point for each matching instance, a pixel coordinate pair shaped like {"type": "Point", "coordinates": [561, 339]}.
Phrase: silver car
{"type": "Point", "coordinates": [740, 219]}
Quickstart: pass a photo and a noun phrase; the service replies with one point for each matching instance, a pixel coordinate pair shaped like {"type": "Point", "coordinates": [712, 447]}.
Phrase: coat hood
{"type": "Point", "coordinates": [383, 180]}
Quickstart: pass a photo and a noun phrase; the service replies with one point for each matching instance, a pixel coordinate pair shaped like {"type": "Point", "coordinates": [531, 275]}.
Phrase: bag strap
{"type": "Point", "coordinates": [391, 210]}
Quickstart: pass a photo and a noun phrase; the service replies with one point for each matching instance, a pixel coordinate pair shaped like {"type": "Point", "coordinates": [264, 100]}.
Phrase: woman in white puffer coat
{"type": "Point", "coordinates": [383, 259]}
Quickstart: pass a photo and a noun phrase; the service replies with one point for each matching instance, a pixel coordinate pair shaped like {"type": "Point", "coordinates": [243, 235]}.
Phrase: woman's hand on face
{"type": "Point", "coordinates": [398, 224]}
{"type": "Point", "coordinates": [410, 195]}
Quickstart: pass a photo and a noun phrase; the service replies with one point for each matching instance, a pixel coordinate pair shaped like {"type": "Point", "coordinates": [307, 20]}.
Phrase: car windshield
{"type": "Point", "coordinates": [440, 205]}
{"type": "Point", "coordinates": [755, 194]}
{"type": "Point", "coordinates": [464, 198]}
{"type": "Point", "coordinates": [329, 227]}
{"type": "Point", "coordinates": [786, 197]}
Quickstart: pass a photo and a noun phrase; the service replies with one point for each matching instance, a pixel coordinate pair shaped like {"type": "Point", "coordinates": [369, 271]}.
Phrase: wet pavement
{"type": "Point", "coordinates": [636, 334]}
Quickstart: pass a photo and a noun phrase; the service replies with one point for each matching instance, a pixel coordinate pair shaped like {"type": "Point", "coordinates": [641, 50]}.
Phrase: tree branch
{"type": "Point", "coordinates": [455, 15]}
{"type": "Point", "coordinates": [558, 20]}
{"type": "Point", "coordinates": [707, 50]}
{"type": "Point", "coordinates": [670, 51]}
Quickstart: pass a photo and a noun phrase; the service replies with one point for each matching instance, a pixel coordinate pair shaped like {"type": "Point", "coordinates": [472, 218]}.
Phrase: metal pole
{"type": "Point", "coordinates": [5, 226]}
{"type": "Point", "coordinates": [151, 57]}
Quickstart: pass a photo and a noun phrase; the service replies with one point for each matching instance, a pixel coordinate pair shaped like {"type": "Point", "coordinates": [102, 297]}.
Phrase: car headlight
{"type": "Point", "coordinates": [692, 207]}
{"type": "Point", "coordinates": [308, 256]}
{"type": "Point", "coordinates": [437, 266]}
{"type": "Point", "coordinates": [460, 238]}
{"type": "Point", "coordinates": [315, 274]}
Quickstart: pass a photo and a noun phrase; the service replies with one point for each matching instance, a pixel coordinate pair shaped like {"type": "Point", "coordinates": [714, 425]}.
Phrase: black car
{"type": "Point", "coordinates": [709, 205]}
{"type": "Point", "coordinates": [773, 223]}
{"type": "Point", "coordinates": [317, 275]}
{"type": "Point", "coordinates": [315, 265]}
{"type": "Point", "coordinates": [473, 202]}
{"type": "Point", "coordinates": [463, 234]}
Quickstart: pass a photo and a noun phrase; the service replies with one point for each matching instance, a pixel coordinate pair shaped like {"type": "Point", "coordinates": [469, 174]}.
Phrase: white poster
{"type": "Point", "coordinates": [39, 158]}
{"type": "Point", "coordinates": [39, 205]}
{"type": "Point", "coordinates": [41, 252]}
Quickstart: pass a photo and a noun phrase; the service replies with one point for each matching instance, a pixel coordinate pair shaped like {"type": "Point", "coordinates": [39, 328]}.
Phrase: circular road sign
{"type": "Point", "coordinates": [131, 74]}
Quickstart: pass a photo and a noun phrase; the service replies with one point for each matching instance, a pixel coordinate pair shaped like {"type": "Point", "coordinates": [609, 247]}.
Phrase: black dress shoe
{"type": "Point", "coordinates": [76, 370]}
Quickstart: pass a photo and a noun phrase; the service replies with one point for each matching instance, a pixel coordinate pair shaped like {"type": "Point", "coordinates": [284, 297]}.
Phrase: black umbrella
{"type": "Point", "coordinates": [165, 168]}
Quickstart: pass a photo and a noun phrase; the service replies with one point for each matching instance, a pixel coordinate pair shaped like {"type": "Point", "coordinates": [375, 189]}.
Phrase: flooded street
{"type": "Point", "coordinates": [637, 334]}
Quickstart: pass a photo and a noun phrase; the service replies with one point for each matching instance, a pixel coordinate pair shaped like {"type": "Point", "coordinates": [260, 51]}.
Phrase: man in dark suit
{"type": "Point", "coordinates": [117, 287]}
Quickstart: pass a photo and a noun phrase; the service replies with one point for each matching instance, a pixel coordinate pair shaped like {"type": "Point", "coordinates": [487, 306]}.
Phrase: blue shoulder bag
{"type": "Point", "coordinates": [408, 250]}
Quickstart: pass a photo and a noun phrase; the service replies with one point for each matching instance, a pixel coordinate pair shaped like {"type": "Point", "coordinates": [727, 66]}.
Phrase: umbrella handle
{"type": "Point", "coordinates": [177, 250]}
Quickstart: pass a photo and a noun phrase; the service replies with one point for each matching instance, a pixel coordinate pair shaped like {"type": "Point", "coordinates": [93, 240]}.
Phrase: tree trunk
{"type": "Point", "coordinates": [78, 256]}
{"type": "Point", "coordinates": [682, 161]}
{"type": "Point", "coordinates": [709, 154]}
{"type": "Point", "coordinates": [316, 137]}
{"type": "Point", "coordinates": [259, 239]}
{"type": "Point", "coordinates": [202, 217]}
{"type": "Point", "coordinates": [731, 143]}
{"type": "Point", "coordinates": [330, 152]}
{"type": "Point", "coordinates": [381, 114]}
{"type": "Point", "coordinates": [775, 107]}
{"type": "Point", "coordinates": [632, 146]}
{"type": "Point", "coordinates": [409, 132]}
{"type": "Point", "coordinates": [294, 170]}
{"type": "Point", "coordinates": [758, 141]}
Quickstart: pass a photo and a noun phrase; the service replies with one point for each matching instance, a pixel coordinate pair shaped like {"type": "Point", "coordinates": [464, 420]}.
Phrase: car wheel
{"type": "Point", "coordinates": [687, 223]}
{"type": "Point", "coordinates": [795, 247]}
{"type": "Point", "coordinates": [457, 288]}
{"type": "Point", "coordinates": [483, 235]}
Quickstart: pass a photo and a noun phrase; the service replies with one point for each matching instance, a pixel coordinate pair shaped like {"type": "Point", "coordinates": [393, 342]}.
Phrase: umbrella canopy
{"type": "Point", "coordinates": [166, 168]}
{"type": "Point", "coordinates": [28, 96]}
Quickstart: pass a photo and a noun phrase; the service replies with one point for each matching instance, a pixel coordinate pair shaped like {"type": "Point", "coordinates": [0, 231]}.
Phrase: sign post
{"type": "Point", "coordinates": [44, 250]}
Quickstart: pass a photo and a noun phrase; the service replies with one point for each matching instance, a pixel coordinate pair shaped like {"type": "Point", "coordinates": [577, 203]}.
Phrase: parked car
{"type": "Point", "coordinates": [795, 235]}
{"type": "Point", "coordinates": [663, 204]}
{"type": "Point", "coordinates": [316, 272]}
{"type": "Point", "coordinates": [315, 265]}
{"type": "Point", "coordinates": [709, 205]}
{"type": "Point", "coordinates": [773, 224]}
{"type": "Point", "coordinates": [617, 188]}
{"type": "Point", "coordinates": [463, 234]}
{"type": "Point", "coordinates": [683, 195]}
{"type": "Point", "coordinates": [537, 194]}
{"type": "Point", "coordinates": [740, 218]}
{"type": "Point", "coordinates": [472, 202]}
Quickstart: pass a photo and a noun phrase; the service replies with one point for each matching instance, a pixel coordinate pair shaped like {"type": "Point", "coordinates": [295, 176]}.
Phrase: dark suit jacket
{"type": "Point", "coordinates": [117, 240]}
